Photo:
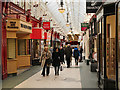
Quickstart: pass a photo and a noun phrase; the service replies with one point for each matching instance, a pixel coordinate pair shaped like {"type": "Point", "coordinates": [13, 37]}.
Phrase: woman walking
{"type": "Point", "coordinates": [56, 60]}
{"type": "Point", "coordinates": [62, 55]}
{"type": "Point", "coordinates": [45, 57]}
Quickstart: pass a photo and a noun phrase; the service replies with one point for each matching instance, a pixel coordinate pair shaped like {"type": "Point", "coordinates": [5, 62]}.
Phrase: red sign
{"type": "Point", "coordinates": [45, 35]}
{"type": "Point", "coordinates": [36, 34]}
{"type": "Point", "coordinates": [46, 25]}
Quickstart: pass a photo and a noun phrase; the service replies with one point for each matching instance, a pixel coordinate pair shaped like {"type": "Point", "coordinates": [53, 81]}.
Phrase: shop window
{"type": "Point", "coordinates": [11, 48]}
{"type": "Point", "coordinates": [22, 47]}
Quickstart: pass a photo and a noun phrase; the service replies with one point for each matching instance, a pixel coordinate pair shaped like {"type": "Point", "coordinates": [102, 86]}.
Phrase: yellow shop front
{"type": "Point", "coordinates": [18, 44]}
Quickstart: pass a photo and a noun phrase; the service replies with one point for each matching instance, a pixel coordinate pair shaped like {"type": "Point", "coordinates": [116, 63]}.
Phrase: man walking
{"type": "Point", "coordinates": [68, 53]}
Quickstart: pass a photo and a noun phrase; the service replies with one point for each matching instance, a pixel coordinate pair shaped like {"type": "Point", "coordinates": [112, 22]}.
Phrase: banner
{"type": "Point", "coordinates": [36, 34]}
{"type": "Point", "coordinates": [84, 26]}
{"type": "Point", "coordinates": [46, 25]}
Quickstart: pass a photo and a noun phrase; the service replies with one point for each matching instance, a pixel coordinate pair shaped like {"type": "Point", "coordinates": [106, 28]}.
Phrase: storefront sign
{"type": "Point", "coordinates": [36, 34]}
{"type": "Point", "coordinates": [46, 25]}
{"type": "Point", "coordinates": [93, 5]}
{"type": "Point", "coordinates": [18, 25]}
{"type": "Point", "coordinates": [84, 26]}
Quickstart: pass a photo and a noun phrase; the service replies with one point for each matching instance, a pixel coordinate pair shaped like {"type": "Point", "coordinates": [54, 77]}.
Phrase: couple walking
{"type": "Point", "coordinates": [56, 58]}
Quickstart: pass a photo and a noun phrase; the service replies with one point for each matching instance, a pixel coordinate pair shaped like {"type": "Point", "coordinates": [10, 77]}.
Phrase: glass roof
{"type": "Point", "coordinates": [76, 9]}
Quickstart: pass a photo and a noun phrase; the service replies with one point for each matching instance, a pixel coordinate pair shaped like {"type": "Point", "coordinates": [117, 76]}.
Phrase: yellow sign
{"type": "Point", "coordinates": [18, 25]}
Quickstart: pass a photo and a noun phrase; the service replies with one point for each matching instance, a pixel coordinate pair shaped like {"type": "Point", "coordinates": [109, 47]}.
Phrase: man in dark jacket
{"type": "Point", "coordinates": [76, 55]}
{"type": "Point", "coordinates": [68, 53]}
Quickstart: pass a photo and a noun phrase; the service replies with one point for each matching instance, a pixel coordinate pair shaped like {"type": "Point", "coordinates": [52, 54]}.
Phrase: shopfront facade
{"type": "Point", "coordinates": [106, 49]}
{"type": "Point", "coordinates": [18, 39]}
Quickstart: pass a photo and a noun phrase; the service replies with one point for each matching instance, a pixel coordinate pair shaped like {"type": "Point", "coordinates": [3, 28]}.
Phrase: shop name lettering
{"type": "Point", "coordinates": [12, 25]}
{"type": "Point", "coordinates": [26, 27]}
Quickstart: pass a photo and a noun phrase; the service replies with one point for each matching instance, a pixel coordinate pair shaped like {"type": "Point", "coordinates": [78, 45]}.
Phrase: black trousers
{"type": "Point", "coordinates": [80, 56]}
{"type": "Point", "coordinates": [68, 62]}
{"type": "Point", "coordinates": [57, 70]}
{"type": "Point", "coordinates": [76, 61]}
{"type": "Point", "coordinates": [46, 68]}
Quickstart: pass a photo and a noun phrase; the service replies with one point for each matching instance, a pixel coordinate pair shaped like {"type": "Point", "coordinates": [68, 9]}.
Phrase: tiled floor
{"type": "Point", "coordinates": [68, 78]}
{"type": "Point", "coordinates": [74, 77]}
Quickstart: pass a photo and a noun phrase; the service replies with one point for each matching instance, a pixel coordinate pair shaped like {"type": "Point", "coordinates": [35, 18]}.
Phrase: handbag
{"type": "Point", "coordinates": [49, 61]}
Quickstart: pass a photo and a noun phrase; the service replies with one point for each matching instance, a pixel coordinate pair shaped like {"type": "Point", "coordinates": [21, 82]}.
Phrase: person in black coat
{"type": "Point", "coordinates": [62, 55]}
{"type": "Point", "coordinates": [76, 55]}
{"type": "Point", "coordinates": [56, 60]}
{"type": "Point", "coordinates": [81, 51]}
{"type": "Point", "coordinates": [68, 53]}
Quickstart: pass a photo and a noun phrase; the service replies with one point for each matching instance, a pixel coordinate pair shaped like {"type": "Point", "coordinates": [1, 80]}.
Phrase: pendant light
{"type": "Point", "coordinates": [67, 21]}
{"type": "Point", "coordinates": [61, 9]}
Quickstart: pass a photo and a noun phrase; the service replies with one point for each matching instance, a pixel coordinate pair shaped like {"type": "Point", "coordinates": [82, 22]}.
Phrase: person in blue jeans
{"type": "Point", "coordinates": [76, 55]}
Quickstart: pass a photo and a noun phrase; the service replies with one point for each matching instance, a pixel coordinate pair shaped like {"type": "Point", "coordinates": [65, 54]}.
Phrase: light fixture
{"type": "Point", "coordinates": [67, 21]}
{"type": "Point", "coordinates": [61, 9]}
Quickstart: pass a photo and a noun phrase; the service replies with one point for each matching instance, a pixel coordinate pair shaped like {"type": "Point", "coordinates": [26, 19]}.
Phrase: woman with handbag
{"type": "Point", "coordinates": [56, 60]}
{"type": "Point", "coordinates": [45, 60]}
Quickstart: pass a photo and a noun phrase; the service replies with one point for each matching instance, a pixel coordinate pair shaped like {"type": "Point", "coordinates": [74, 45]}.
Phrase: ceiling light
{"type": "Point", "coordinates": [67, 24]}
{"type": "Point", "coordinates": [61, 9]}
{"type": "Point", "coordinates": [67, 21]}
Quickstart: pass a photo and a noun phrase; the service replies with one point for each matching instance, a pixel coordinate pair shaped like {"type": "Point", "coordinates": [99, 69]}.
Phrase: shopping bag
{"type": "Point", "coordinates": [61, 68]}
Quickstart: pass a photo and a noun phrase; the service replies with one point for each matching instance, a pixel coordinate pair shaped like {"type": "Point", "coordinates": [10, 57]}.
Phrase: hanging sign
{"type": "Point", "coordinates": [45, 35]}
{"type": "Point", "coordinates": [84, 26]}
{"type": "Point", "coordinates": [93, 5]}
{"type": "Point", "coordinates": [36, 33]}
{"type": "Point", "coordinates": [46, 25]}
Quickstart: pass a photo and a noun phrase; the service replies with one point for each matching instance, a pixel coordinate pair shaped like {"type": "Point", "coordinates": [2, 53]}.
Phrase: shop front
{"type": "Point", "coordinates": [106, 42]}
{"type": "Point", "coordinates": [93, 40]}
{"type": "Point", "coordinates": [18, 44]}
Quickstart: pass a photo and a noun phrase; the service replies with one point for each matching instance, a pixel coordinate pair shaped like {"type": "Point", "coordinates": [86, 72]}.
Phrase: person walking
{"type": "Point", "coordinates": [56, 60]}
{"type": "Point", "coordinates": [45, 57]}
{"type": "Point", "coordinates": [76, 55]}
{"type": "Point", "coordinates": [62, 55]}
{"type": "Point", "coordinates": [81, 51]}
{"type": "Point", "coordinates": [68, 53]}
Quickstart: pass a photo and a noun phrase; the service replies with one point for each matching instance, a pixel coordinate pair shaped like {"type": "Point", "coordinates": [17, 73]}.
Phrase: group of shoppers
{"type": "Point", "coordinates": [56, 57]}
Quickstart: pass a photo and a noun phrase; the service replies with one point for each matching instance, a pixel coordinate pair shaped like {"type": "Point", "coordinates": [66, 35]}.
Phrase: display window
{"type": "Point", "coordinates": [11, 48]}
{"type": "Point", "coordinates": [110, 48]}
{"type": "Point", "coordinates": [22, 47]}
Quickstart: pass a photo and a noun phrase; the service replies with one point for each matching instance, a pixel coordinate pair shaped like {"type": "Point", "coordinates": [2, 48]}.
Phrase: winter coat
{"type": "Point", "coordinates": [76, 53]}
{"type": "Point", "coordinates": [68, 52]}
{"type": "Point", "coordinates": [47, 55]}
{"type": "Point", "coordinates": [56, 59]}
{"type": "Point", "coordinates": [62, 55]}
